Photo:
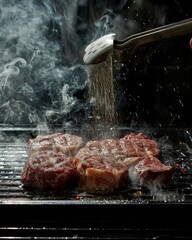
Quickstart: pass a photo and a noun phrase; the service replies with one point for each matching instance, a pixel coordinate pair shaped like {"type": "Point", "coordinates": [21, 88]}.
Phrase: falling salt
{"type": "Point", "coordinates": [181, 103]}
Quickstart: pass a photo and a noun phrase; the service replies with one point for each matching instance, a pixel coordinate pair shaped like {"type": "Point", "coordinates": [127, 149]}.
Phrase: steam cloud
{"type": "Point", "coordinates": [37, 83]}
{"type": "Point", "coordinates": [127, 17]}
{"type": "Point", "coordinates": [42, 77]}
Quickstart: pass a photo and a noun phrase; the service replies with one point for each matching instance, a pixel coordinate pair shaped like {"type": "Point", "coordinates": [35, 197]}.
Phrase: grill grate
{"type": "Point", "coordinates": [72, 214]}
{"type": "Point", "coordinates": [13, 157]}
{"type": "Point", "coordinates": [94, 233]}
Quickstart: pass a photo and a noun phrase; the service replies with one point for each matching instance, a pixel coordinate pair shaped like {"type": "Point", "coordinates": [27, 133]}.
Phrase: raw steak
{"type": "Point", "coordinates": [49, 170]}
{"type": "Point", "coordinates": [129, 149]}
{"type": "Point", "coordinates": [151, 171]}
{"type": "Point", "coordinates": [57, 142]}
{"type": "Point", "coordinates": [99, 173]}
{"type": "Point", "coordinates": [50, 163]}
{"type": "Point", "coordinates": [100, 159]}
{"type": "Point", "coordinates": [57, 160]}
{"type": "Point", "coordinates": [139, 145]}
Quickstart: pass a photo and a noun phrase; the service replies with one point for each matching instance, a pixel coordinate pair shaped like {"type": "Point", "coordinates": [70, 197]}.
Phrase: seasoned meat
{"type": "Point", "coordinates": [49, 170]}
{"type": "Point", "coordinates": [139, 145]}
{"type": "Point", "coordinates": [57, 142]}
{"type": "Point", "coordinates": [106, 146]}
{"type": "Point", "coordinates": [151, 171]}
{"type": "Point", "coordinates": [58, 160]}
{"type": "Point", "coordinates": [97, 157]}
{"type": "Point", "coordinates": [50, 162]}
{"type": "Point", "coordinates": [129, 149]}
{"type": "Point", "coordinates": [99, 173]}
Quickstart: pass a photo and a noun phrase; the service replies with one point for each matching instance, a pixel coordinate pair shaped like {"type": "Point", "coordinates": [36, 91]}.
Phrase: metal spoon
{"type": "Point", "coordinates": [99, 50]}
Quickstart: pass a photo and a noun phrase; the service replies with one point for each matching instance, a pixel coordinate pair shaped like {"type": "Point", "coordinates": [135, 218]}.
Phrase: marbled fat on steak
{"type": "Point", "coordinates": [51, 161]}
{"type": "Point", "coordinates": [49, 170]}
{"type": "Point", "coordinates": [57, 142]}
{"type": "Point", "coordinates": [59, 160]}
{"type": "Point", "coordinates": [134, 152]}
{"type": "Point", "coordinates": [151, 171]}
{"type": "Point", "coordinates": [100, 173]}
{"type": "Point", "coordinates": [139, 145]}
{"type": "Point", "coordinates": [129, 149]}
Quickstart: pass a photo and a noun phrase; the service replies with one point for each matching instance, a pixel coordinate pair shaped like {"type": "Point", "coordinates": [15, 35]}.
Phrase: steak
{"type": "Point", "coordinates": [130, 149]}
{"type": "Point", "coordinates": [103, 164]}
{"type": "Point", "coordinates": [106, 146]}
{"type": "Point", "coordinates": [100, 173]}
{"type": "Point", "coordinates": [151, 171]}
{"type": "Point", "coordinates": [135, 151]}
{"type": "Point", "coordinates": [49, 170]}
{"type": "Point", "coordinates": [139, 145]}
{"type": "Point", "coordinates": [58, 160]}
{"type": "Point", "coordinates": [56, 142]}
{"type": "Point", "coordinates": [50, 164]}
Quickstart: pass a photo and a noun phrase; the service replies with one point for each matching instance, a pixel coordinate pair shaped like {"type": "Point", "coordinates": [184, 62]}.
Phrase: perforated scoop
{"type": "Point", "coordinates": [99, 50]}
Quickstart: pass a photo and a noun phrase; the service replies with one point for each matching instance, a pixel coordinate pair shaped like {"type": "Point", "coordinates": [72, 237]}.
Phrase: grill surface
{"type": "Point", "coordinates": [175, 150]}
{"type": "Point", "coordinates": [135, 212]}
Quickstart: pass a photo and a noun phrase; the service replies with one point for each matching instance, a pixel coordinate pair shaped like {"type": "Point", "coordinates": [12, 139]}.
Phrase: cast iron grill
{"type": "Point", "coordinates": [73, 214]}
{"type": "Point", "coordinates": [178, 154]}
{"type": "Point", "coordinates": [12, 158]}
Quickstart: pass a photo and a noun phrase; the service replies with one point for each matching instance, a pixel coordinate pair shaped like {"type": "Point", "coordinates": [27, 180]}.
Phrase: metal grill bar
{"type": "Point", "coordinates": [89, 233]}
{"type": "Point", "coordinates": [13, 157]}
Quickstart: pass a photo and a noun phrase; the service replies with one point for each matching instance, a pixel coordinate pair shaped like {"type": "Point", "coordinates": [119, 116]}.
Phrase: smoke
{"type": "Point", "coordinates": [39, 79]}
{"type": "Point", "coordinates": [42, 76]}
{"type": "Point", "coordinates": [127, 17]}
